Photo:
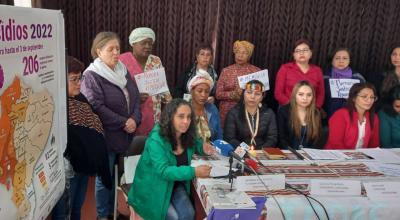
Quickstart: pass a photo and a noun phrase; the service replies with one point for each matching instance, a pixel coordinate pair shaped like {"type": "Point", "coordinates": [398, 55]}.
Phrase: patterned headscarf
{"type": "Point", "coordinates": [247, 45]}
{"type": "Point", "coordinates": [141, 33]}
{"type": "Point", "coordinates": [201, 76]}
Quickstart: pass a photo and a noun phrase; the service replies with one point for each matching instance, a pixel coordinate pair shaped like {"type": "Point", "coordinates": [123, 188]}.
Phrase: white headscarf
{"type": "Point", "coordinates": [116, 77]}
{"type": "Point", "coordinates": [141, 33]}
{"type": "Point", "coordinates": [201, 76]}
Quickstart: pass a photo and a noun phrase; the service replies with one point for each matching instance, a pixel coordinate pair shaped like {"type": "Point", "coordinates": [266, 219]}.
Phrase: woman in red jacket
{"type": "Point", "coordinates": [356, 125]}
{"type": "Point", "coordinates": [298, 70]}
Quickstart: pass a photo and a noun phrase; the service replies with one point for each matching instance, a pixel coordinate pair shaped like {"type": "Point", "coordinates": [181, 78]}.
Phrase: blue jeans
{"type": "Point", "coordinates": [180, 207]}
{"type": "Point", "coordinates": [78, 191]}
{"type": "Point", "coordinates": [71, 201]}
{"type": "Point", "coordinates": [105, 197]}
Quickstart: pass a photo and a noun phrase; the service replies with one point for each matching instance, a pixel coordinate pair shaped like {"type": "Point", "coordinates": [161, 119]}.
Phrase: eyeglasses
{"type": "Point", "coordinates": [306, 50]}
{"type": "Point", "coordinates": [342, 58]}
{"type": "Point", "coordinates": [366, 98]}
{"type": "Point", "coordinates": [75, 79]}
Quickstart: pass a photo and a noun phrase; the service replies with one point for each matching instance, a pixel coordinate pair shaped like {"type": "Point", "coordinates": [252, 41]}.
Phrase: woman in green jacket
{"type": "Point", "coordinates": [389, 120]}
{"type": "Point", "coordinates": [161, 186]}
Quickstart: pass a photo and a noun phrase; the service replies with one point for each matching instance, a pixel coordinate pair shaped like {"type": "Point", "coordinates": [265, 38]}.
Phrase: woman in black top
{"type": "Point", "coordinates": [249, 121]}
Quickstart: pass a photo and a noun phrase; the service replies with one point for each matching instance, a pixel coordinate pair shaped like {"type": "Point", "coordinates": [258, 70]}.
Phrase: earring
{"type": "Point", "coordinates": [260, 105]}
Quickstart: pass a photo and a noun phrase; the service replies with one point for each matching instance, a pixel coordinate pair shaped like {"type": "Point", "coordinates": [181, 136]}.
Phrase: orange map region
{"type": "Point", "coordinates": [8, 159]}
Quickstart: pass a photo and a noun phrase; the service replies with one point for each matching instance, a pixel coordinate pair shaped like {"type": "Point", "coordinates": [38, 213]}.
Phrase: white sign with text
{"type": "Point", "coordinates": [382, 189]}
{"type": "Point", "coordinates": [340, 87]}
{"type": "Point", "coordinates": [152, 82]}
{"type": "Point", "coordinates": [252, 183]}
{"type": "Point", "coordinates": [261, 76]}
{"type": "Point", "coordinates": [333, 187]}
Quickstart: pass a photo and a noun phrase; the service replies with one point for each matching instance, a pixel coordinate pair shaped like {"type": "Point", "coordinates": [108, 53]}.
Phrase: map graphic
{"type": "Point", "coordinates": [26, 119]}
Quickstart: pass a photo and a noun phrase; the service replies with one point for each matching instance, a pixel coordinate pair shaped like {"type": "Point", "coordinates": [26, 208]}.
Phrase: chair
{"type": "Point", "coordinates": [135, 148]}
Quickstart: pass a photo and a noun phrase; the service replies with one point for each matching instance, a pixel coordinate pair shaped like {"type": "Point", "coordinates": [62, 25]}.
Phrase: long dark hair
{"type": "Point", "coordinates": [391, 78]}
{"type": "Point", "coordinates": [167, 125]}
{"type": "Point", "coordinates": [350, 103]}
{"type": "Point", "coordinates": [394, 95]}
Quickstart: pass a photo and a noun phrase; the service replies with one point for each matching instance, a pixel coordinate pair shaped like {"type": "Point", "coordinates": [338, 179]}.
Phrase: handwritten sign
{"type": "Point", "coordinates": [382, 189]}
{"type": "Point", "coordinates": [340, 87]}
{"type": "Point", "coordinates": [152, 82]}
{"type": "Point", "coordinates": [261, 76]}
{"type": "Point", "coordinates": [252, 183]}
{"type": "Point", "coordinates": [335, 187]}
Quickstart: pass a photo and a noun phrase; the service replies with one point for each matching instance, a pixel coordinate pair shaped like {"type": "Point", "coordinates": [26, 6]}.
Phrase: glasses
{"type": "Point", "coordinates": [366, 98]}
{"type": "Point", "coordinates": [75, 79]}
{"type": "Point", "coordinates": [342, 58]}
{"type": "Point", "coordinates": [306, 50]}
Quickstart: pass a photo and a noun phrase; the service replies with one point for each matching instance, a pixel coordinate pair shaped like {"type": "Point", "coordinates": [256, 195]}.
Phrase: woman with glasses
{"type": "Point", "coordinates": [228, 92]}
{"type": "Point", "coordinates": [356, 125]}
{"type": "Point", "coordinates": [300, 69]}
{"type": "Point", "coordinates": [389, 119]}
{"type": "Point", "coordinates": [251, 122]}
{"type": "Point", "coordinates": [300, 121]}
{"type": "Point", "coordinates": [115, 98]}
{"type": "Point", "coordinates": [140, 60]}
{"type": "Point", "coordinates": [339, 69]}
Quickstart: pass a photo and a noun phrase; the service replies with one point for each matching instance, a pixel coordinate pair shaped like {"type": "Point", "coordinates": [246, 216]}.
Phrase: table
{"type": "Point", "coordinates": [299, 173]}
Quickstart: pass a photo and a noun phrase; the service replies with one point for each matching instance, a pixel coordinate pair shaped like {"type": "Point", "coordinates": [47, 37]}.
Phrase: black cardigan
{"type": "Point", "coordinates": [237, 131]}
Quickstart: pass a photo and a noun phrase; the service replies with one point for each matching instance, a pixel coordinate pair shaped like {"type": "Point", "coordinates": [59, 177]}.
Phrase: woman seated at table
{"type": "Point", "coordinates": [356, 125]}
{"type": "Point", "coordinates": [161, 186]}
{"type": "Point", "coordinates": [389, 119]}
{"type": "Point", "coordinates": [204, 59]}
{"type": "Point", "coordinates": [300, 121]}
{"type": "Point", "coordinates": [207, 117]}
{"type": "Point", "coordinates": [249, 121]}
{"type": "Point", "coordinates": [339, 69]}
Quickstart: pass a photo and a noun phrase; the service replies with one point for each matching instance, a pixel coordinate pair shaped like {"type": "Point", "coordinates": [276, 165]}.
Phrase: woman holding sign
{"type": "Point", "coordinates": [115, 98]}
{"type": "Point", "coordinates": [228, 91]}
{"type": "Point", "coordinates": [339, 69]}
{"type": "Point", "coordinates": [291, 73]}
{"type": "Point", "coordinates": [300, 121]}
{"type": "Point", "coordinates": [356, 125]}
{"type": "Point", "coordinates": [141, 60]}
{"type": "Point", "coordinates": [389, 119]}
{"type": "Point", "coordinates": [251, 122]}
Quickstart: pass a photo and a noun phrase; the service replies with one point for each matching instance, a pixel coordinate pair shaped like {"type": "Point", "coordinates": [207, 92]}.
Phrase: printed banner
{"type": "Point", "coordinates": [32, 111]}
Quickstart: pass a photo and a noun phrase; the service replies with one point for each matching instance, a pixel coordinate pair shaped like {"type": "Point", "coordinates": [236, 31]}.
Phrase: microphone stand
{"type": "Point", "coordinates": [230, 176]}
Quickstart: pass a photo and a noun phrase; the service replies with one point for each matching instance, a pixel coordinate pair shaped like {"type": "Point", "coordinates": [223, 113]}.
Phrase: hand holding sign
{"type": "Point", "coordinates": [152, 82]}
{"type": "Point", "coordinates": [261, 76]}
{"type": "Point", "coordinates": [340, 87]}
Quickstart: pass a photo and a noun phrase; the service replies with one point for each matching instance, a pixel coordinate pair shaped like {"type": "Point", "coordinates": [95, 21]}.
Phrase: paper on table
{"type": "Point", "coordinates": [216, 169]}
{"type": "Point", "coordinates": [381, 155]}
{"type": "Point", "coordinates": [385, 168]}
{"type": "Point", "coordinates": [376, 190]}
{"type": "Point", "coordinates": [325, 154]}
{"type": "Point", "coordinates": [335, 187]}
{"type": "Point", "coordinates": [252, 183]}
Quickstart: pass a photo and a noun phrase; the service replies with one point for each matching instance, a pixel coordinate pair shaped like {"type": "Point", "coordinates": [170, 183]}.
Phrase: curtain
{"type": "Point", "coordinates": [6, 2]}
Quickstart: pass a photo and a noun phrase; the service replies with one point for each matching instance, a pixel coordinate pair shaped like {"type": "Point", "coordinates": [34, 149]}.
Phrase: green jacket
{"type": "Point", "coordinates": [155, 175]}
{"type": "Point", "coordinates": [389, 130]}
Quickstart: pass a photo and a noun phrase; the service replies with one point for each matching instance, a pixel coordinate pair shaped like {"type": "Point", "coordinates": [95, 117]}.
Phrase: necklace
{"type": "Point", "coordinates": [303, 134]}
{"type": "Point", "coordinates": [253, 125]}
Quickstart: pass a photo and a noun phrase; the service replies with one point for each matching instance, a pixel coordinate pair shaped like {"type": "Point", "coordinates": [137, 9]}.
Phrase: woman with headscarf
{"type": "Point", "coordinates": [251, 122]}
{"type": "Point", "coordinates": [228, 91]}
{"type": "Point", "coordinates": [204, 59]}
{"type": "Point", "coordinates": [206, 114]}
{"type": "Point", "coordinates": [115, 98]}
{"type": "Point", "coordinates": [300, 69]}
{"type": "Point", "coordinates": [141, 60]}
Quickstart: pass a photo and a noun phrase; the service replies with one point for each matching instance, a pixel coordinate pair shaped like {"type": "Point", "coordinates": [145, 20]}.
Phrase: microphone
{"type": "Point", "coordinates": [226, 149]}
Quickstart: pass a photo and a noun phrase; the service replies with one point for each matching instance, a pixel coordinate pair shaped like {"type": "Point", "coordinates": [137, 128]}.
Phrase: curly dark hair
{"type": "Point", "coordinates": [354, 91]}
{"type": "Point", "coordinates": [167, 125]}
{"type": "Point", "coordinates": [394, 95]}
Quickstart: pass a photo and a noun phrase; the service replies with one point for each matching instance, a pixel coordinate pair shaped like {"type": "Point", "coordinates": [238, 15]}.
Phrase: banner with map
{"type": "Point", "coordinates": [32, 111]}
